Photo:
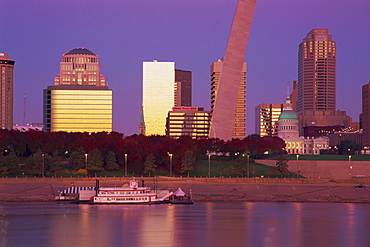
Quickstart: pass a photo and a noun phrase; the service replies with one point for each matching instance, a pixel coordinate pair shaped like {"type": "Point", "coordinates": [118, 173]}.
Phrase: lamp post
{"type": "Point", "coordinates": [248, 168]}
{"type": "Point", "coordinates": [297, 163]}
{"type": "Point", "coordinates": [43, 165]}
{"type": "Point", "coordinates": [125, 165]}
{"type": "Point", "coordinates": [209, 165]}
{"type": "Point", "coordinates": [86, 163]}
{"type": "Point", "coordinates": [350, 167]}
{"type": "Point", "coordinates": [170, 163]}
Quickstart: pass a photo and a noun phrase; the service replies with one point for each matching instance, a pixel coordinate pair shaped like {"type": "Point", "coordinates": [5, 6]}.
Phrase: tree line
{"type": "Point", "coordinates": [55, 153]}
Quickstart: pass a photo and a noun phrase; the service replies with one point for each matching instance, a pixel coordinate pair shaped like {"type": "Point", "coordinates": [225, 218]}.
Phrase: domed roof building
{"type": "Point", "coordinates": [288, 131]}
{"type": "Point", "coordinates": [80, 66]}
{"type": "Point", "coordinates": [80, 51]}
{"type": "Point", "coordinates": [288, 122]}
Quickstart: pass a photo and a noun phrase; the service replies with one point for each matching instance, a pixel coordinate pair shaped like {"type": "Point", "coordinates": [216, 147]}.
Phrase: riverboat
{"type": "Point", "coordinates": [130, 195]}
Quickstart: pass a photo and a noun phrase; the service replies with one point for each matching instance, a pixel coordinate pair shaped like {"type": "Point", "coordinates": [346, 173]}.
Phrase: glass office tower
{"type": "Point", "coordinates": [158, 95]}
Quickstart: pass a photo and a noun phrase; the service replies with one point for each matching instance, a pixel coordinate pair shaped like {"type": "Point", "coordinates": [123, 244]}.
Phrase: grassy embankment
{"type": "Point", "coordinates": [225, 166]}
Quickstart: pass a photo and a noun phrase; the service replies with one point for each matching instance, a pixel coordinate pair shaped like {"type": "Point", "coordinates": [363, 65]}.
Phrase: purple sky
{"type": "Point", "coordinates": [192, 33]}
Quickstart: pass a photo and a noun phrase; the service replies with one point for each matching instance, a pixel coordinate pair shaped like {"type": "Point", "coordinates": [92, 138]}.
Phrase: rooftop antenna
{"type": "Point", "coordinates": [24, 109]}
{"type": "Point", "coordinates": [287, 88]}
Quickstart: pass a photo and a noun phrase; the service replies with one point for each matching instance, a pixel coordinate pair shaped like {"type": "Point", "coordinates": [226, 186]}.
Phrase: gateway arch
{"type": "Point", "coordinates": [222, 122]}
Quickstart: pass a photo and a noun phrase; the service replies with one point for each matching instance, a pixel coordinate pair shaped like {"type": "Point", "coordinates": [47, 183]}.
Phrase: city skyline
{"type": "Point", "coordinates": [191, 34]}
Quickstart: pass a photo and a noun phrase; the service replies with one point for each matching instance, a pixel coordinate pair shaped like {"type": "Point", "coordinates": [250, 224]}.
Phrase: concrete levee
{"type": "Point", "coordinates": [317, 169]}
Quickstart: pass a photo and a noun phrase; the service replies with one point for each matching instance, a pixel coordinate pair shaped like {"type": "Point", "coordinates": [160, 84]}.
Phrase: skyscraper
{"type": "Point", "coordinates": [158, 95]}
{"type": "Point", "coordinates": [317, 71]}
{"type": "Point", "coordinates": [238, 129]}
{"type": "Point", "coordinates": [183, 81]}
{"type": "Point", "coordinates": [365, 116]}
{"type": "Point", "coordinates": [6, 91]}
{"type": "Point", "coordinates": [317, 82]}
{"type": "Point", "coordinates": [223, 114]}
{"type": "Point", "coordinates": [80, 100]}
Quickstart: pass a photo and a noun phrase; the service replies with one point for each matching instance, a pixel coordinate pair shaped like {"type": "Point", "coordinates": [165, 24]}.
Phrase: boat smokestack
{"type": "Point", "coordinates": [97, 184]}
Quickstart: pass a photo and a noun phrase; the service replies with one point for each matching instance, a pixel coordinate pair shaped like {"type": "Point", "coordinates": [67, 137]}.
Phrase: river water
{"type": "Point", "coordinates": [201, 224]}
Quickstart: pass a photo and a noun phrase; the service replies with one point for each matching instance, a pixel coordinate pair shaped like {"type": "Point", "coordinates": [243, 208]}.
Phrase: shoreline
{"type": "Point", "coordinates": [43, 190]}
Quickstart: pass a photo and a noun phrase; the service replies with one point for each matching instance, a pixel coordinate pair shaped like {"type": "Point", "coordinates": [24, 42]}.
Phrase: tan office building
{"type": "Point", "coordinates": [239, 120]}
{"type": "Point", "coordinates": [80, 100]}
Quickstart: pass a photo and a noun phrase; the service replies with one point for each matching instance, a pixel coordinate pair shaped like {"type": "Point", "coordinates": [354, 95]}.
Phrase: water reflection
{"type": "Point", "coordinates": [201, 224]}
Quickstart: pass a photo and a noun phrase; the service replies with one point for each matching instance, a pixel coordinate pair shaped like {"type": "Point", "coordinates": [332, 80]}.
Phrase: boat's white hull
{"type": "Point", "coordinates": [123, 199]}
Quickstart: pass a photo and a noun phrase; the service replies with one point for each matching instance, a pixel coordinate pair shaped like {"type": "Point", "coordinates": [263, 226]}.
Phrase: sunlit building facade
{"type": "Point", "coordinates": [188, 121]}
{"type": "Point", "coordinates": [80, 66]}
{"type": "Point", "coordinates": [158, 95]}
{"type": "Point", "coordinates": [239, 120]}
{"type": "Point", "coordinates": [80, 100]}
{"type": "Point", "coordinates": [266, 119]}
{"type": "Point", "coordinates": [78, 109]}
{"type": "Point", "coordinates": [6, 91]}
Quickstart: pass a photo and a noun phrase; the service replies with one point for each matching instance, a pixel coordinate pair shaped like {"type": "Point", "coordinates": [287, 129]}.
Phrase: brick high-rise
{"type": "Point", "coordinates": [6, 91]}
{"type": "Point", "coordinates": [365, 116]}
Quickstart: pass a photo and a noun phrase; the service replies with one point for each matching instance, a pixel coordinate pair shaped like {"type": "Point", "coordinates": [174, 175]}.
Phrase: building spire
{"type": "Point", "coordinates": [142, 122]}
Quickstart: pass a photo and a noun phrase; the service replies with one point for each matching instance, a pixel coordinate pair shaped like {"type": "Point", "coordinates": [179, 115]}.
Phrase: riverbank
{"type": "Point", "coordinates": [203, 189]}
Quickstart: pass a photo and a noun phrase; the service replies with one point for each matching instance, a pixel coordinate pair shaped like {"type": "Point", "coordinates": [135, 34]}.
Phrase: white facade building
{"type": "Point", "coordinates": [158, 95]}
